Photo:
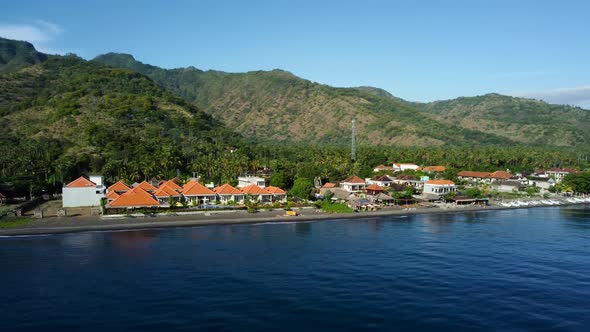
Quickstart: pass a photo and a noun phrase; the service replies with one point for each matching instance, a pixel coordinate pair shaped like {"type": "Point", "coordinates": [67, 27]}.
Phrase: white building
{"type": "Point", "coordinates": [244, 181]}
{"type": "Point", "coordinates": [353, 184]}
{"type": "Point", "coordinates": [404, 166]}
{"type": "Point", "coordinates": [439, 187]}
{"type": "Point", "coordinates": [84, 192]}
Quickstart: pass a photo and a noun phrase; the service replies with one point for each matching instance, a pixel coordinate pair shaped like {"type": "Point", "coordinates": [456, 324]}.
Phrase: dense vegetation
{"type": "Point", "coordinates": [277, 105]}
{"type": "Point", "coordinates": [66, 116]}
{"type": "Point", "coordinates": [16, 55]}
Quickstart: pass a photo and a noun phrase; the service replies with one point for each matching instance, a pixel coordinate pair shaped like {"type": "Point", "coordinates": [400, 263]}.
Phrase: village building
{"type": "Point", "coordinates": [500, 176]}
{"type": "Point", "coordinates": [374, 190]}
{"type": "Point", "coordinates": [472, 176]}
{"type": "Point", "coordinates": [245, 181]}
{"type": "Point", "coordinates": [227, 193]}
{"type": "Point", "coordinates": [257, 194]}
{"type": "Point", "coordinates": [508, 186]}
{"type": "Point", "coordinates": [118, 187]}
{"type": "Point", "coordinates": [278, 194]}
{"type": "Point", "coordinates": [136, 197]}
{"type": "Point", "coordinates": [340, 195]}
{"type": "Point", "coordinates": [353, 184]}
{"type": "Point", "coordinates": [558, 174]}
{"type": "Point", "coordinates": [112, 195]}
{"type": "Point", "coordinates": [439, 187]}
{"type": "Point", "coordinates": [83, 192]}
{"type": "Point", "coordinates": [150, 188]}
{"type": "Point", "coordinates": [164, 193]}
{"type": "Point", "coordinates": [400, 167]}
{"type": "Point", "coordinates": [408, 180]}
{"type": "Point", "coordinates": [196, 193]}
{"type": "Point", "coordinates": [542, 182]}
{"type": "Point", "coordinates": [382, 167]}
{"type": "Point", "coordinates": [381, 180]}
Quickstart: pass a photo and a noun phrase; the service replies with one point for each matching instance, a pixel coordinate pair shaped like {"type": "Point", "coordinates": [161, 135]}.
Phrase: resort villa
{"type": "Point", "coordinates": [353, 184]}
{"type": "Point", "coordinates": [84, 192]}
{"type": "Point", "coordinates": [400, 167]}
{"type": "Point", "coordinates": [439, 187]}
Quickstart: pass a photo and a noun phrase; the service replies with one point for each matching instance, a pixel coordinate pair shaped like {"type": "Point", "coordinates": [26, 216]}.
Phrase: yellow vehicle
{"type": "Point", "coordinates": [292, 213]}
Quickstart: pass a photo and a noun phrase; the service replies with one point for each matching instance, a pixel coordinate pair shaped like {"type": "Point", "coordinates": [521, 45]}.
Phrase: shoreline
{"type": "Point", "coordinates": [110, 223]}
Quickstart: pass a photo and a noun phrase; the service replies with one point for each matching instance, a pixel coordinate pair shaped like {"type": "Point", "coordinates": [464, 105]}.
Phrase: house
{"type": "Point", "coordinates": [196, 193]}
{"type": "Point", "coordinates": [472, 176]}
{"type": "Point", "coordinates": [257, 193]}
{"type": "Point", "coordinates": [432, 169]}
{"type": "Point", "coordinates": [500, 176]}
{"type": "Point", "coordinates": [278, 194]}
{"type": "Point", "coordinates": [558, 174]}
{"type": "Point", "coordinates": [244, 181]}
{"type": "Point", "coordinates": [146, 186]}
{"type": "Point", "coordinates": [382, 180]}
{"type": "Point", "coordinates": [112, 195]}
{"type": "Point", "coordinates": [353, 184]}
{"type": "Point", "coordinates": [382, 168]}
{"type": "Point", "coordinates": [227, 193]}
{"type": "Point", "coordinates": [83, 192]}
{"type": "Point", "coordinates": [399, 167]}
{"type": "Point", "coordinates": [172, 184]}
{"type": "Point", "coordinates": [508, 186]}
{"type": "Point", "coordinates": [542, 182]}
{"type": "Point", "coordinates": [409, 180]}
{"type": "Point", "coordinates": [340, 195]}
{"type": "Point", "coordinates": [439, 187]}
{"type": "Point", "coordinates": [119, 187]}
{"type": "Point", "coordinates": [374, 190]}
{"type": "Point", "coordinates": [164, 193]}
{"type": "Point", "coordinates": [136, 197]}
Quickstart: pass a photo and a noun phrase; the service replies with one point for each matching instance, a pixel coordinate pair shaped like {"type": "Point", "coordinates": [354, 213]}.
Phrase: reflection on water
{"type": "Point", "coordinates": [510, 270]}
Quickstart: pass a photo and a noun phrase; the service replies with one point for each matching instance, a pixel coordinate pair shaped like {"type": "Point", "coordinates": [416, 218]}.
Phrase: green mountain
{"type": "Point", "coordinates": [67, 115]}
{"type": "Point", "coordinates": [279, 106]}
{"type": "Point", "coordinates": [18, 54]}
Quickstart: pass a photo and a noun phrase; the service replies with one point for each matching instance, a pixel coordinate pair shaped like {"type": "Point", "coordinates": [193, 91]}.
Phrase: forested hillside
{"type": "Point", "coordinates": [279, 106]}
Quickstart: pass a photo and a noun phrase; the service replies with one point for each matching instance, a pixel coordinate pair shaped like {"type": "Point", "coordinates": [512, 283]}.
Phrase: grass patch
{"type": "Point", "coordinates": [334, 207]}
{"type": "Point", "coordinates": [14, 222]}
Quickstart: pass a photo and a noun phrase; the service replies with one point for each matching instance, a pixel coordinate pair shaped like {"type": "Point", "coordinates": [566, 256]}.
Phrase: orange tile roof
{"type": "Point", "coordinates": [112, 195]}
{"type": "Point", "coordinates": [433, 168]}
{"type": "Point", "coordinates": [227, 189]}
{"type": "Point", "coordinates": [255, 190]}
{"type": "Point", "coordinates": [329, 185]}
{"type": "Point", "coordinates": [81, 182]}
{"type": "Point", "coordinates": [171, 184]}
{"type": "Point", "coordinates": [276, 190]}
{"type": "Point", "coordinates": [165, 191]}
{"type": "Point", "coordinates": [193, 188]}
{"type": "Point", "coordinates": [354, 179]}
{"type": "Point", "coordinates": [471, 174]}
{"type": "Point", "coordinates": [375, 187]}
{"type": "Point", "coordinates": [441, 182]}
{"type": "Point", "coordinates": [501, 175]}
{"type": "Point", "coordinates": [119, 186]}
{"type": "Point", "coordinates": [383, 167]}
{"type": "Point", "coordinates": [135, 197]}
{"type": "Point", "coordinates": [146, 186]}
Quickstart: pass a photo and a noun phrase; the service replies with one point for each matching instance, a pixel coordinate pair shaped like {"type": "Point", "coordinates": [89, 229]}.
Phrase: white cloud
{"type": "Point", "coordinates": [39, 33]}
{"type": "Point", "coordinates": [579, 96]}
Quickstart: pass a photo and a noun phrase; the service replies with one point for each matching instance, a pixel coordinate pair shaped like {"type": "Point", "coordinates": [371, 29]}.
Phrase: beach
{"type": "Point", "coordinates": [58, 225]}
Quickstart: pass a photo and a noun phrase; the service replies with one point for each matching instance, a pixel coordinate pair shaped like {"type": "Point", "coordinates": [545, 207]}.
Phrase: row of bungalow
{"type": "Point", "coordinates": [89, 192]}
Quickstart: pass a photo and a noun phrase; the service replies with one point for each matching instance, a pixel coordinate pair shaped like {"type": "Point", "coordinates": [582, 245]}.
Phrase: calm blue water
{"type": "Point", "coordinates": [512, 270]}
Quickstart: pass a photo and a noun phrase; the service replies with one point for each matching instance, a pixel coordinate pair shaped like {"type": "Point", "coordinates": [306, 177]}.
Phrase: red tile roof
{"type": "Point", "coordinates": [329, 185]}
{"type": "Point", "coordinates": [172, 184]}
{"type": "Point", "coordinates": [406, 177]}
{"type": "Point", "coordinates": [381, 178]}
{"type": "Point", "coordinates": [440, 182]}
{"type": "Point", "coordinates": [112, 195]}
{"type": "Point", "coordinates": [133, 198]}
{"type": "Point", "coordinates": [255, 190]}
{"type": "Point", "coordinates": [227, 189]}
{"type": "Point", "coordinates": [276, 190]}
{"type": "Point", "coordinates": [501, 175]}
{"type": "Point", "coordinates": [146, 186]}
{"type": "Point", "coordinates": [433, 168]}
{"type": "Point", "coordinates": [119, 186]}
{"type": "Point", "coordinates": [165, 191]}
{"type": "Point", "coordinates": [375, 187]}
{"type": "Point", "coordinates": [354, 179]}
{"type": "Point", "coordinates": [81, 182]}
{"type": "Point", "coordinates": [193, 188]}
{"type": "Point", "coordinates": [470, 174]}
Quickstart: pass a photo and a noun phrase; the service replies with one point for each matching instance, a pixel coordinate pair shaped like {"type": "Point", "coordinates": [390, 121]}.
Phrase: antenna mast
{"type": "Point", "coordinates": [353, 149]}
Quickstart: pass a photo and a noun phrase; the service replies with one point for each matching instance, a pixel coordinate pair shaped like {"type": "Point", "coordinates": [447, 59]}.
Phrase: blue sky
{"type": "Point", "coordinates": [417, 50]}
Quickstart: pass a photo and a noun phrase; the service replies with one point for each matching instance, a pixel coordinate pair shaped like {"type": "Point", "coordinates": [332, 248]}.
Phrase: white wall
{"type": "Point", "coordinates": [76, 197]}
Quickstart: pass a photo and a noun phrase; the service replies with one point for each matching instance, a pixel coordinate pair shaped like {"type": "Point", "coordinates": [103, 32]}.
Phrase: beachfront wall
{"type": "Point", "coordinates": [80, 197]}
